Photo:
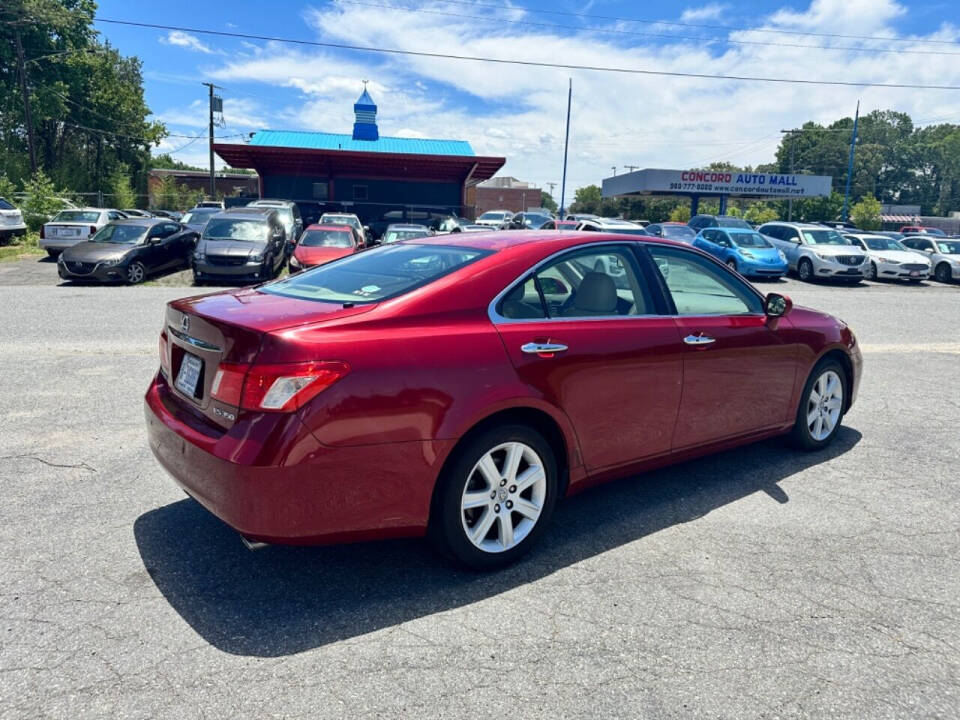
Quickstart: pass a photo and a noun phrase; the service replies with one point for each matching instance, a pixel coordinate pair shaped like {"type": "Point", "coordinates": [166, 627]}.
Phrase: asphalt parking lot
{"type": "Point", "coordinates": [756, 583]}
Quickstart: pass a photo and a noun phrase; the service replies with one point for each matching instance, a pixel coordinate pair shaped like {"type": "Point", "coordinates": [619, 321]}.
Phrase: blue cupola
{"type": "Point", "coordinates": [365, 118]}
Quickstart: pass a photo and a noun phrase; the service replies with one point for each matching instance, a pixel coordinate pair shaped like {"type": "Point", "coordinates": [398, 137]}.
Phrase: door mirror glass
{"type": "Point", "coordinates": [777, 305]}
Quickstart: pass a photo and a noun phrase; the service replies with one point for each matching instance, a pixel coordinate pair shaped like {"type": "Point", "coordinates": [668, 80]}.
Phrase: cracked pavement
{"type": "Point", "coordinates": [755, 583]}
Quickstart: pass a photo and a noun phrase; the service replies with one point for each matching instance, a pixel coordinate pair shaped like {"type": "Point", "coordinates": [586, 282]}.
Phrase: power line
{"type": "Point", "coordinates": [674, 23]}
{"type": "Point", "coordinates": [526, 63]}
{"type": "Point", "coordinates": [635, 33]}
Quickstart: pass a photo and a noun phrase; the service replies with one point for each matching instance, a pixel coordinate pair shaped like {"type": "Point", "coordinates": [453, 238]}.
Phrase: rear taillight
{"type": "Point", "coordinates": [43, 232]}
{"type": "Point", "coordinates": [164, 357]}
{"type": "Point", "coordinates": [276, 388]}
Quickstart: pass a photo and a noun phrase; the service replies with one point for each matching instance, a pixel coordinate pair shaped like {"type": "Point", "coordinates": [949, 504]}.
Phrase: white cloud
{"type": "Point", "coordinates": [179, 38]}
{"type": "Point", "coordinates": [617, 119]}
{"type": "Point", "coordinates": [711, 11]}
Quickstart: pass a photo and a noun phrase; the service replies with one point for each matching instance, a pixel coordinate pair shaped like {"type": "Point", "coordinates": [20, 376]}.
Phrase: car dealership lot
{"type": "Point", "coordinates": [759, 582]}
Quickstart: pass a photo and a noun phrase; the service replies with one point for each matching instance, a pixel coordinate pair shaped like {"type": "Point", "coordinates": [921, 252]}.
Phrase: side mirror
{"type": "Point", "coordinates": [552, 286]}
{"type": "Point", "coordinates": [366, 229]}
{"type": "Point", "coordinates": [777, 305]}
{"type": "Point", "coordinates": [154, 240]}
{"type": "Point", "coordinates": [928, 250]}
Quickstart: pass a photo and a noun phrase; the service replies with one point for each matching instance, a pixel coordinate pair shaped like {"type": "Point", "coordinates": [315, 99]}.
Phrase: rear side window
{"type": "Point", "coordinates": [375, 275]}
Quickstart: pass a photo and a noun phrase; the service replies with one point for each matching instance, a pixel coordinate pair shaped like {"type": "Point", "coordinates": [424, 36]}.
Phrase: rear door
{"type": "Point", "coordinates": [738, 370]}
{"type": "Point", "coordinates": [587, 331]}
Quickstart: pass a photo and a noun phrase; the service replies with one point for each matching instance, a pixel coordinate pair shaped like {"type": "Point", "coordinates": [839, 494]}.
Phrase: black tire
{"type": "Point", "coordinates": [447, 522]}
{"type": "Point", "coordinates": [135, 273]}
{"type": "Point", "coordinates": [872, 271]}
{"type": "Point", "coordinates": [53, 254]}
{"type": "Point", "coordinates": [801, 436]}
{"type": "Point", "coordinates": [197, 280]}
{"type": "Point", "coordinates": [942, 273]}
{"type": "Point", "coordinates": [805, 270]}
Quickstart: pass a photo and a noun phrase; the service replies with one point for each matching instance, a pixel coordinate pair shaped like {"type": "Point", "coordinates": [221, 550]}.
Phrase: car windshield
{"type": "Point", "coordinates": [678, 232]}
{"type": "Point", "coordinates": [232, 229]}
{"type": "Point", "coordinates": [949, 247]}
{"type": "Point", "coordinates": [340, 220]}
{"type": "Point", "coordinates": [881, 243]}
{"type": "Point", "coordinates": [824, 237]}
{"type": "Point", "coordinates": [4, 205]}
{"type": "Point", "coordinates": [200, 215]}
{"type": "Point", "coordinates": [286, 216]}
{"type": "Point", "coordinates": [120, 234]}
{"type": "Point", "coordinates": [392, 236]}
{"type": "Point", "coordinates": [733, 223]}
{"type": "Point", "coordinates": [535, 221]}
{"type": "Point", "coordinates": [750, 240]}
{"type": "Point", "coordinates": [376, 275]}
{"type": "Point", "coordinates": [327, 238]}
{"type": "Point", "coordinates": [80, 216]}
{"type": "Point", "coordinates": [491, 216]}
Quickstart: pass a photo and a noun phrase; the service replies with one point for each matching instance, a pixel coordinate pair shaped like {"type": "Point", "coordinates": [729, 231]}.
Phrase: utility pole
{"type": "Point", "coordinates": [28, 119]}
{"type": "Point", "coordinates": [551, 185]}
{"type": "Point", "coordinates": [631, 168]}
{"type": "Point", "coordinates": [213, 179]}
{"type": "Point", "coordinates": [566, 145]}
{"type": "Point", "coordinates": [853, 144]}
{"type": "Point", "coordinates": [614, 168]}
{"type": "Point", "coordinates": [789, 134]}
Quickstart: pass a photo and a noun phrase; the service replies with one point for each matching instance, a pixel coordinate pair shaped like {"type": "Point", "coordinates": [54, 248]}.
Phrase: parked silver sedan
{"type": "Point", "coordinates": [69, 227]}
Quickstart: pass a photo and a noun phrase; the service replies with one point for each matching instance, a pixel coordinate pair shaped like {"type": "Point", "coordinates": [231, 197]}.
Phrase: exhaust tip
{"type": "Point", "coordinates": [253, 544]}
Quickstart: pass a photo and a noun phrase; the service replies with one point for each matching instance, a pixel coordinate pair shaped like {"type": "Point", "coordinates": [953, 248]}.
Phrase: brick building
{"type": "Point", "coordinates": [507, 193]}
{"type": "Point", "coordinates": [227, 183]}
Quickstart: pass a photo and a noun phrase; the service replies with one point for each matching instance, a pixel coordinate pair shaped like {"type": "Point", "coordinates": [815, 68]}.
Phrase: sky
{"type": "Point", "coordinates": [519, 112]}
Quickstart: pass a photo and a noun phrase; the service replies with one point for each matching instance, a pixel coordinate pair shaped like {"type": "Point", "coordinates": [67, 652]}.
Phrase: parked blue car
{"type": "Point", "coordinates": [746, 251]}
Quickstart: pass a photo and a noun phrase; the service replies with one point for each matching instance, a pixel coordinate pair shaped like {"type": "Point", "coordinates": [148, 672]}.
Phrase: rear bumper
{"type": "Point", "coordinates": [60, 243]}
{"type": "Point", "coordinates": [271, 480]}
{"type": "Point", "coordinates": [11, 230]}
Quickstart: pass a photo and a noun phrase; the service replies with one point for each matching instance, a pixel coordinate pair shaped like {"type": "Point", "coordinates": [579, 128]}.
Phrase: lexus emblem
{"type": "Point", "coordinates": [185, 323]}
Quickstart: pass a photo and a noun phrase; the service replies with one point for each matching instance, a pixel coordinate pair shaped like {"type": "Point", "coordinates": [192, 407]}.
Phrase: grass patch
{"type": "Point", "coordinates": [21, 248]}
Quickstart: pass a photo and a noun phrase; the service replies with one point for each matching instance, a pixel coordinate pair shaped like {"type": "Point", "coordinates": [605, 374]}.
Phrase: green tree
{"type": "Point", "coordinates": [7, 187]}
{"type": "Point", "coordinates": [866, 213]}
{"type": "Point", "coordinates": [165, 162]}
{"type": "Point", "coordinates": [587, 200]}
{"type": "Point", "coordinates": [121, 190]}
{"type": "Point", "coordinates": [681, 213]}
{"type": "Point", "coordinates": [547, 201]}
{"type": "Point", "coordinates": [759, 213]}
{"type": "Point", "coordinates": [88, 109]}
{"type": "Point", "coordinates": [40, 201]}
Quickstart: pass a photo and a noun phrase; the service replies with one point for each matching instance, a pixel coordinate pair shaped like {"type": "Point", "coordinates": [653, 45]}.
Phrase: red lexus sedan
{"type": "Point", "coordinates": [458, 387]}
{"type": "Point", "coordinates": [320, 244]}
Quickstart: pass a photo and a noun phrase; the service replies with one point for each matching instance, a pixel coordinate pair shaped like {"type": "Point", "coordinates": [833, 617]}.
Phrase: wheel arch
{"type": "Point", "coordinates": [559, 438]}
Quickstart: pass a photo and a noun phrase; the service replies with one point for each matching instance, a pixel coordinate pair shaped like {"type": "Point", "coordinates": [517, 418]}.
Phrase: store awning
{"type": "Point", "coordinates": [898, 219]}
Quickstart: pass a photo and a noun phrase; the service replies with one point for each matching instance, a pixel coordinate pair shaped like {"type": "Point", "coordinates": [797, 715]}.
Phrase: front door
{"type": "Point", "coordinates": [738, 370]}
{"type": "Point", "coordinates": [586, 332]}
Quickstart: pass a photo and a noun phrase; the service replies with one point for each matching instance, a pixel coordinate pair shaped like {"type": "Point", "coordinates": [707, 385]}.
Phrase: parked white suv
{"type": "Point", "coordinates": [11, 221]}
{"type": "Point", "coordinates": [889, 260]}
{"type": "Point", "coordinates": [70, 227]}
{"type": "Point", "coordinates": [499, 219]}
{"type": "Point", "coordinates": [815, 251]}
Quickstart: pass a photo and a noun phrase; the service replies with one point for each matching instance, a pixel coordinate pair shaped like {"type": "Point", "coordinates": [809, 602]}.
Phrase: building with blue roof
{"type": "Point", "coordinates": [380, 178]}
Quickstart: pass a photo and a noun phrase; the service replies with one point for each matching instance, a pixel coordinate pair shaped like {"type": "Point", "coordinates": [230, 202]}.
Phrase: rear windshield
{"type": "Point", "coordinates": [225, 229]}
{"type": "Point", "coordinates": [376, 275]}
{"type": "Point", "coordinates": [4, 205]}
{"type": "Point", "coordinates": [327, 238]}
{"type": "Point", "coordinates": [80, 216]}
{"type": "Point", "coordinates": [392, 236]}
{"type": "Point", "coordinates": [339, 220]}
{"type": "Point", "coordinates": [678, 232]}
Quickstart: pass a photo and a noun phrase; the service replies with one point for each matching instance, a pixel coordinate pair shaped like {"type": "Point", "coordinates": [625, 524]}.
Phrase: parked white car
{"type": "Point", "coordinates": [944, 254]}
{"type": "Point", "coordinates": [347, 219]}
{"type": "Point", "coordinates": [889, 260]}
{"type": "Point", "coordinates": [11, 221]}
{"type": "Point", "coordinates": [612, 225]}
{"type": "Point", "coordinates": [70, 227]}
{"type": "Point", "coordinates": [815, 251]}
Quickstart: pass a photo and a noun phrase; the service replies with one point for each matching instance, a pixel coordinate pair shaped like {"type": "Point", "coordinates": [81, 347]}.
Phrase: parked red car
{"type": "Point", "coordinates": [921, 230]}
{"type": "Point", "coordinates": [461, 387]}
{"type": "Point", "coordinates": [320, 244]}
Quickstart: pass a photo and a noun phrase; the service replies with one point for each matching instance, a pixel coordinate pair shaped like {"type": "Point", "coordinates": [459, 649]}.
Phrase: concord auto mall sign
{"type": "Point", "coordinates": [717, 182]}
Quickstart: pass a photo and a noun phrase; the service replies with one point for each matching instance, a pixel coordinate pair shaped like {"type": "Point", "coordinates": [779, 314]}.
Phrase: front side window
{"type": "Point", "coordinates": [949, 247]}
{"type": "Point", "coordinates": [699, 287]}
{"type": "Point", "coordinates": [375, 275]}
{"type": "Point", "coordinates": [595, 282]}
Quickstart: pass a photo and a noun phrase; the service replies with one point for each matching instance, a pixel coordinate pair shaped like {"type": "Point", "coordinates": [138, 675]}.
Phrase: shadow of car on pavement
{"type": "Point", "coordinates": [285, 600]}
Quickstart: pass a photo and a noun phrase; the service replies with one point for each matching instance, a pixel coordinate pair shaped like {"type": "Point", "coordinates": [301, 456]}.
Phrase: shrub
{"type": "Point", "coordinates": [41, 200]}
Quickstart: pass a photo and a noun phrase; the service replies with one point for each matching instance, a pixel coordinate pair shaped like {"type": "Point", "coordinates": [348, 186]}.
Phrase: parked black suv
{"type": "Point", "coordinates": [241, 244]}
{"type": "Point", "coordinates": [699, 222]}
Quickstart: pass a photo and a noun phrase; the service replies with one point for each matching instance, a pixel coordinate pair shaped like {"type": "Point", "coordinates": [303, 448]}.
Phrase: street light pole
{"type": "Point", "coordinates": [566, 145]}
{"type": "Point", "coordinates": [27, 117]}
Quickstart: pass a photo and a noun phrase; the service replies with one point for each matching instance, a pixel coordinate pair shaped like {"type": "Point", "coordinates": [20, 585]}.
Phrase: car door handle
{"type": "Point", "coordinates": [699, 340]}
{"type": "Point", "coordinates": [543, 349]}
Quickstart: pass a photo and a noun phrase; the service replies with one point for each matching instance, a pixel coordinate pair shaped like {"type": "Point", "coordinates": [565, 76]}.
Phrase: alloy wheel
{"type": "Point", "coordinates": [824, 405]}
{"type": "Point", "coordinates": [805, 269]}
{"type": "Point", "coordinates": [942, 273]}
{"type": "Point", "coordinates": [503, 497]}
{"type": "Point", "coordinates": [135, 273]}
{"type": "Point", "coordinates": [872, 271]}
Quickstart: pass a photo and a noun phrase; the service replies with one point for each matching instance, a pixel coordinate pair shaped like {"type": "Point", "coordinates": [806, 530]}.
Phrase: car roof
{"type": "Point", "coordinates": [243, 213]}
{"type": "Point", "coordinates": [88, 209]}
{"type": "Point", "coordinates": [733, 229]}
{"type": "Point", "coordinates": [270, 203]}
{"type": "Point", "coordinates": [497, 240]}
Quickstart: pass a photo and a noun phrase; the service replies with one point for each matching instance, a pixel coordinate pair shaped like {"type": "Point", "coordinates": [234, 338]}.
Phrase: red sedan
{"type": "Point", "coordinates": [320, 244]}
{"type": "Point", "coordinates": [461, 387]}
